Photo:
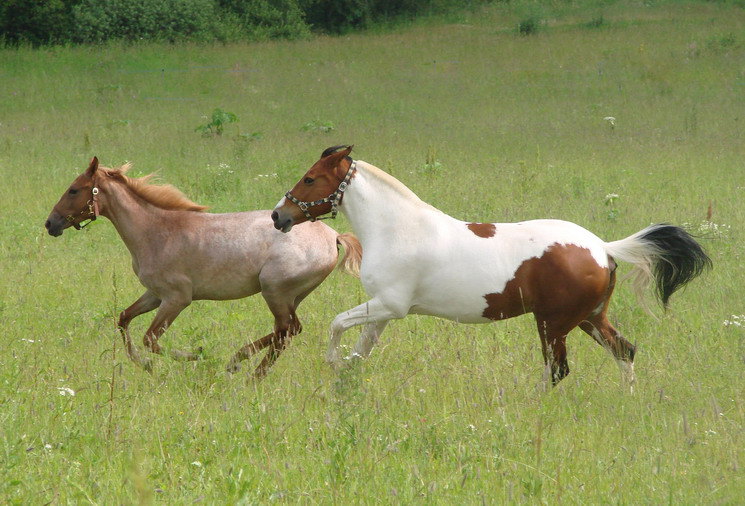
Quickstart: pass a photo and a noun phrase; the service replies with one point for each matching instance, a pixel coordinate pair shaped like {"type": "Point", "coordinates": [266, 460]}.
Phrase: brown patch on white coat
{"type": "Point", "coordinates": [564, 288]}
{"type": "Point", "coordinates": [485, 230]}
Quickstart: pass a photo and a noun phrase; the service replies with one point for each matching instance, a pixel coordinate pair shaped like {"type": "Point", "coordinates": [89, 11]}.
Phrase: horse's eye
{"type": "Point", "coordinates": [308, 180]}
{"type": "Point", "coordinates": [73, 191]}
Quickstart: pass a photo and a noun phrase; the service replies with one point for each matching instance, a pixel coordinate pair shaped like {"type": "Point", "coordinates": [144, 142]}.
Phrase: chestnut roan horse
{"type": "Point", "coordinates": [181, 254]}
{"type": "Point", "coordinates": [420, 260]}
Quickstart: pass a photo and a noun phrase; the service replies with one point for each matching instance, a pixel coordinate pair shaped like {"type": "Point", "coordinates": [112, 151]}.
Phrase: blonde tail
{"type": "Point", "coordinates": [352, 254]}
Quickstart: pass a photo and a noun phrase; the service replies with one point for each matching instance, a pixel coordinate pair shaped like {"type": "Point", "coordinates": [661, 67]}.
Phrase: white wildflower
{"type": "Point", "coordinates": [610, 198]}
{"type": "Point", "coordinates": [736, 320]}
{"type": "Point", "coordinates": [196, 463]}
{"type": "Point", "coordinates": [611, 121]}
{"type": "Point", "coordinates": [65, 391]}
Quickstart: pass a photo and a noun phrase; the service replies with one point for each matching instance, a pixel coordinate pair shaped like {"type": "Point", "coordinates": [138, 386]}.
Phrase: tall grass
{"type": "Point", "coordinates": [479, 121]}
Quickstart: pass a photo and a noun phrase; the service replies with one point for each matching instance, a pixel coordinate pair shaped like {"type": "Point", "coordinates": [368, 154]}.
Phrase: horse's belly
{"type": "Point", "coordinates": [460, 316]}
{"type": "Point", "coordinates": [233, 287]}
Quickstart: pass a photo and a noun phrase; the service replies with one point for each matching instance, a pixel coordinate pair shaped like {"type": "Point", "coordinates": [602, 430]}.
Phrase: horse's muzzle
{"type": "Point", "coordinates": [283, 224]}
{"type": "Point", "coordinates": [55, 225]}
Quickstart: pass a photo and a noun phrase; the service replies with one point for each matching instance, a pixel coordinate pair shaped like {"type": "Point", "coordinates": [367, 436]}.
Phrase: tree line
{"type": "Point", "coordinates": [49, 22]}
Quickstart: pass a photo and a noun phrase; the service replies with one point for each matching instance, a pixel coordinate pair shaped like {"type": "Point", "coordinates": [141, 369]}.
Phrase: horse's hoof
{"type": "Point", "coordinates": [147, 365]}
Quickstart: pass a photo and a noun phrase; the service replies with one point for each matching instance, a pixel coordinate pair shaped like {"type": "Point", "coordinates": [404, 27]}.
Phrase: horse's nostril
{"type": "Point", "coordinates": [48, 224]}
{"type": "Point", "coordinates": [275, 216]}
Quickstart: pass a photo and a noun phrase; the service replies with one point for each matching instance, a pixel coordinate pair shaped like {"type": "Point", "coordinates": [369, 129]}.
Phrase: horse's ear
{"type": "Point", "coordinates": [336, 149]}
{"type": "Point", "coordinates": [92, 168]}
{"type": "Point", "coordinates": [334, 159]}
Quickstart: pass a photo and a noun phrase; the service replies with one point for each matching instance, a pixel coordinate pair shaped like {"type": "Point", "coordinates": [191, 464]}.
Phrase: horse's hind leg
{"type": "Point", "coordinates": [147, 302]}
{"type": "Point", "coordinates": [286, 325]}
{"type": "Point", "coordinates": [284, 330]}
{"type": "Point", "coordinates": [553, 346]}
{"type": "Point", "coordinates": [600, 329]}
{"type": "Point", "coordinates": [247, 351]}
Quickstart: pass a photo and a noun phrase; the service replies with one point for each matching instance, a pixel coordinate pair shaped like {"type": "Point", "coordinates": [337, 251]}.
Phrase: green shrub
{"type": "Point", "coordinates": [216, 125]}
{"type": "Point", "coordinates": [265, 19]}
{"type": "Point", "coordinates": [100, 20]}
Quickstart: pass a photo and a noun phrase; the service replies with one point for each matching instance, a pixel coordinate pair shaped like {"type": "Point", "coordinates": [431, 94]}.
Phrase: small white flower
{"type": "Point", "coordinates": [471, 427]}
{"type": "Point", "coordinates": [27, 340]}
{"type": "Point", "coordinates": [65, 391]}
{"type": "Point", "coordinates": [610, 198]}
{"type": "Point", "coordinates": [611, 121]}
{"type": "Point", "coordinates": [48, 446]}
{"type": "Point", "coordinates": [196, 463]}
{"type": "Point", "coordinates": [735, 321]}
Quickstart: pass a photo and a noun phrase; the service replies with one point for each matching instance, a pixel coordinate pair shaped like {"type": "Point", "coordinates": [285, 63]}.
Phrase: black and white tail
{"type": "Point", "coordinates": [664, 253]}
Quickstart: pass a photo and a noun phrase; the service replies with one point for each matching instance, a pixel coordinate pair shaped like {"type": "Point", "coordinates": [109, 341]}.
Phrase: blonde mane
{"type": "Point", "coordinates": [163, 196]}
{"type": "Point", "coordinates": [392, 183]}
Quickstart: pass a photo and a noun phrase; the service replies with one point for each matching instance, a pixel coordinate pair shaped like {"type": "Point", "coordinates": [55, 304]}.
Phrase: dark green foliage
{"type": "Point", "coordinates": [596, 22]}
{"type": "Point", "coordinates": [341, 16]}
{"type": "Point", "coordinates": [35, 22]}
{"type": "Point", "coordinates": [529, 25]}
{"type": "Point", "coordinates": [99, 20]}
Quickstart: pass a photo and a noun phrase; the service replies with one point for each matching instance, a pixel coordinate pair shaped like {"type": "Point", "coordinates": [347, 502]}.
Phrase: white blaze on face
{"type": "Point", "coordinates": [280, 203]}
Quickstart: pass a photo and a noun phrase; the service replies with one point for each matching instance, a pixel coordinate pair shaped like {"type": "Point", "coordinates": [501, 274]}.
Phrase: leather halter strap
{"type": "Point", "coordinates": [91, 210]}
{"type": "Point", "coordinates": [334, 198]}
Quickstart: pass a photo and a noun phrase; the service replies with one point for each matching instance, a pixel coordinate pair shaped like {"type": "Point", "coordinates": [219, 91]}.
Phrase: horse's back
{"type": "Point", "coordinates": [234, 255]}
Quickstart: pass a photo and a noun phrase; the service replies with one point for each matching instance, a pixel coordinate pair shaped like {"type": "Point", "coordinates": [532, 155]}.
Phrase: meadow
{"type": "Point", "coordinates": [481, 122]}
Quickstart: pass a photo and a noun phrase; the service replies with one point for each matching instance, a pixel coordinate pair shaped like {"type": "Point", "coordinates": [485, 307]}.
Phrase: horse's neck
{"type": "Point", "coordinates": [135, 220]}
{"type": "Point", "coordinates": [376, 204]}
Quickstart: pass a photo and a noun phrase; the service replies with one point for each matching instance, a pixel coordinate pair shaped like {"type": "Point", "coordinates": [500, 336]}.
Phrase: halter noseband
{"type": "Point", "coordinates": [92, 211]}
{"type": "Point", "coordinates": [334, 198]}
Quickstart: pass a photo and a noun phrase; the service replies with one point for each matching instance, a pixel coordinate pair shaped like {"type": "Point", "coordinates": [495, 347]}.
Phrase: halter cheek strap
{"type": "Point", "coordinates": [334, 198]}
{"type": "Point", "coordinates": [92, 210]}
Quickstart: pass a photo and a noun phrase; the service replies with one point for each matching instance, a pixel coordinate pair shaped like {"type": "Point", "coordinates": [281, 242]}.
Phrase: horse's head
{"type": "Point", "coordinates": [78, 203]}
{"type": "Point", "coordinates": [318, 192]}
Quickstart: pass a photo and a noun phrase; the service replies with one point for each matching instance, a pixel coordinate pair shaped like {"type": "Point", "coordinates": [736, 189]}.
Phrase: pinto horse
{"type": "Point", "coordinates": [419, 260]}
{"type": "Point", "coordinates": [181, 254]}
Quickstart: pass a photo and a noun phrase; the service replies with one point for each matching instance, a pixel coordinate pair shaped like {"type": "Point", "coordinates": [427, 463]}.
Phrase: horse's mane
{"type": "Point", "coordinates": [164, 196]}
{"type": "Point", "coordinates": [391, 182]}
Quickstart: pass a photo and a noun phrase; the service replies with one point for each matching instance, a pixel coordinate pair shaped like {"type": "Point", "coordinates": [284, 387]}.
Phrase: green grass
{"type": "Point", "coordinates": [481, 122]}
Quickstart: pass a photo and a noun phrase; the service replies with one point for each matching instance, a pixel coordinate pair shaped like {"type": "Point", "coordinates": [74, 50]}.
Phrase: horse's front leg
{"type": "Point", "coordinates": [368, 338]}
{"type": "Point", "coordinates": [167, 313]}
{"type": "Point", "coordinates": [147, 302]}
{"type": "Point", "coordinates": [373, 312]}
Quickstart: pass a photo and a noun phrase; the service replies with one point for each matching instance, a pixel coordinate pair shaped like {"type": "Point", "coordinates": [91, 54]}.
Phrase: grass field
{"type": "Point", "coordinates": [479, 121]}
